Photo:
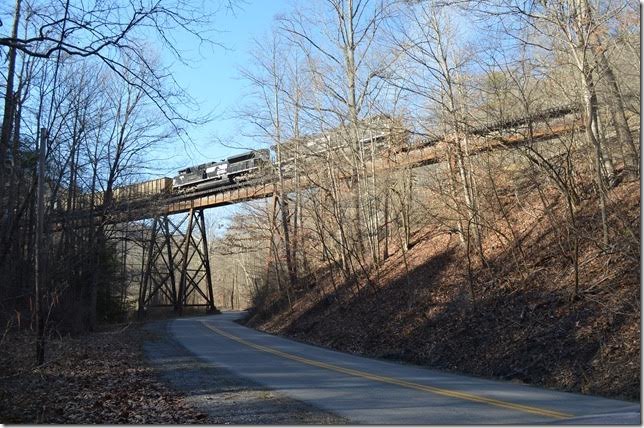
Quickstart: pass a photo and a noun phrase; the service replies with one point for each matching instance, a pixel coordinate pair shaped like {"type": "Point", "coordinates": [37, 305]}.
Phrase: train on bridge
{"type": "Point", "coordinates": [374, 135]}
{"type": "Point", "coordinates": [234, 170]}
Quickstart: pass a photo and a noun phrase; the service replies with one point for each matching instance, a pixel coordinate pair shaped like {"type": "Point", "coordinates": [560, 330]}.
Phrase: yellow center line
{"type": "Point", "coordinates": [393, 381]}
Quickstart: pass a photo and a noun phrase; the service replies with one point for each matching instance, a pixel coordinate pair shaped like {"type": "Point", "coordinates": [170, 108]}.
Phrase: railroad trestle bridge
{"type": "Point", "coordinates": [175, 249]}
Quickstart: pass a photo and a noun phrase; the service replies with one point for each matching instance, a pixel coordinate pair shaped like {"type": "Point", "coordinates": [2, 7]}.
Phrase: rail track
{"type": "Point", "coordinates": [216, 195]}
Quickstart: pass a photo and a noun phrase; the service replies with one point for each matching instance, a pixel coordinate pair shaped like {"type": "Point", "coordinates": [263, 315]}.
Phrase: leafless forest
{"type": "Point", "coordinates": [521, 211]}
{"type": "Point", "coordinates": [508, 245]}
{"type": "Point", "coordinates": [346, 91]}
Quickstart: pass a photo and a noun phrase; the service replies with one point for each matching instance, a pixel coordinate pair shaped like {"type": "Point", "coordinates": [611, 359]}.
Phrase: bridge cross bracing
{"type": "Point", "coordinates": [177, 262]}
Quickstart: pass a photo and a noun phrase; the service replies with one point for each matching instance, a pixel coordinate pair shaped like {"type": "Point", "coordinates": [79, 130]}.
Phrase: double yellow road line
{"type": "Point", "coordinates": [393, 381]}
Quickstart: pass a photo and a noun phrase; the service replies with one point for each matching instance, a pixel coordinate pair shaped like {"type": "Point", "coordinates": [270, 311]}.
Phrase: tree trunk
{"type": "Point", "coordinates": [618, 115]}
{"type": "Point", "coordinates": [9, 96]}
{"type": "Point", "coordinates": [591, 114]}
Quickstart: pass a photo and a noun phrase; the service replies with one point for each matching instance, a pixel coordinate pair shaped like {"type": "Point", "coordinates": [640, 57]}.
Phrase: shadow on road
{"type": "Point", "coordinates": [228, 399]}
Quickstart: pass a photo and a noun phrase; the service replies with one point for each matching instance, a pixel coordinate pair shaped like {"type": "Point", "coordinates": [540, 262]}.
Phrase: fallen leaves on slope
{"type": "Point", "coordinates": [97, 378]}
{"type": "Point", "coordinates": [523, 326]}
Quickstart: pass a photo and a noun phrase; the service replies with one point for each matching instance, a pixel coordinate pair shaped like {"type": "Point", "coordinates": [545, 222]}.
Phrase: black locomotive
{"type": "Point", "coordinates": [227, 171]}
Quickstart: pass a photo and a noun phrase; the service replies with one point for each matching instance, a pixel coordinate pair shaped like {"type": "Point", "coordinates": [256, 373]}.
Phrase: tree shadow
{"type": "Point", "coordinates": [523, 326]}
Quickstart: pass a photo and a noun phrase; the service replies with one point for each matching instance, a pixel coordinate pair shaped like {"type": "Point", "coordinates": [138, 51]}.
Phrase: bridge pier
{"type": "Point", "coordinates": [175, 263]}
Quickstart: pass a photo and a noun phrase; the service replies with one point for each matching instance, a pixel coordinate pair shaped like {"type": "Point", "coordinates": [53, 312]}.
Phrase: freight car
{"type": "Point", "coordinates": [234, 169]}
{"type": "Point", "coordinates": [131, 192]}
{"type": "Point", "coordinates": [159, 186]}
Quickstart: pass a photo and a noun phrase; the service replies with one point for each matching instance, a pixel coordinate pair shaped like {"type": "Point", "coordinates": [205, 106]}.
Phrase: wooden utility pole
{"type": "Point", "coordinates": [40, 250]}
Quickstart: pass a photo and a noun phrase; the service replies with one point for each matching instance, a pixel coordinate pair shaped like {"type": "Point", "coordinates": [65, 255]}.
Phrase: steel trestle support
{"type": "Point", "coordinates": [175, 264]}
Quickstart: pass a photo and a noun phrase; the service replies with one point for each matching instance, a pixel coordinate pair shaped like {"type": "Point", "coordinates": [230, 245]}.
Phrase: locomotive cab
{"type": "Point", "coordinates": [236, 168]}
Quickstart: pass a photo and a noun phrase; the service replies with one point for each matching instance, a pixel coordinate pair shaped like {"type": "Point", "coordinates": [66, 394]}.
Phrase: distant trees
{"type": "Point", "coordinates": [89, 74]}
{"type": "Point", "coordinates": [378, 73]}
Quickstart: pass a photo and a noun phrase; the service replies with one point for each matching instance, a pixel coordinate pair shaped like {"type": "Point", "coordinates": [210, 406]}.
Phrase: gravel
{"type": "Point", "coordinates": [225, 397]}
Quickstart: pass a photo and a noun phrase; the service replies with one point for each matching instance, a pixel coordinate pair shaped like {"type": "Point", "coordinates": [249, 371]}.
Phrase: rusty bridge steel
{"type": "Point", "coordinates": [167, 256]}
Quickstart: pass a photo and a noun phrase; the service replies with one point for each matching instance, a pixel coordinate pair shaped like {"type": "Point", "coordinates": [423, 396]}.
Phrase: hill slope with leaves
{"type": "Point", "coordinates": [525, 323]}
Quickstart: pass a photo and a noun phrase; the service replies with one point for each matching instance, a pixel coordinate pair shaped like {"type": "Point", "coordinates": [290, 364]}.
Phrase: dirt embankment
{"type": "Point", "coordinates": [523, 324]}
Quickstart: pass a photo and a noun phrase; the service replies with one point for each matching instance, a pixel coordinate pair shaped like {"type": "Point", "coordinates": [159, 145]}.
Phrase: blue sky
{"type": "Point", "coordinates": [213, 80]}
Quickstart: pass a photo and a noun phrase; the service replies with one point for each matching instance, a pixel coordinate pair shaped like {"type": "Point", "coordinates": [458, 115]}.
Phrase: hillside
{"type": "Point", "coordinates": [524, 324]}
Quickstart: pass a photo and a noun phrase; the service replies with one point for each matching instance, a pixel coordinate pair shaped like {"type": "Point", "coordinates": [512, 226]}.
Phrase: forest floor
{"type": "Point", "coordinates": [131, 374]}
{"type": "Point", "coordinates": [523, 324]}
{"type": "Point", "coordinates": [98, 378]}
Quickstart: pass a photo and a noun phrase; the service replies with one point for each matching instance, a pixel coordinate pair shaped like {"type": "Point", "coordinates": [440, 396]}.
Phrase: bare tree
{"type": "Point", "coordinates": [575, 29]}
{"type": "Point", "coordinates": [340, 44]}
{"type": "Point", "coordinates": [434, 68]}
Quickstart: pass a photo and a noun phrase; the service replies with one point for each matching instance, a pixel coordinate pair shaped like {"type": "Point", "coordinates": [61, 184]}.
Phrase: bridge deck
{"type": "Point", "coordinates": [265, 187]}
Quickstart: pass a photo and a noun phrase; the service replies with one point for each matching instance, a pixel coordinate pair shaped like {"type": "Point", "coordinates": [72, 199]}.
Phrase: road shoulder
{"type": "Point", "coordinates": [225, 397]}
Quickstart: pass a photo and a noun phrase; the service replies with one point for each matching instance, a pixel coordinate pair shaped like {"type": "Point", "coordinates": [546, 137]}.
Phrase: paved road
{"type": "Point", "coordinates": [372, 391]}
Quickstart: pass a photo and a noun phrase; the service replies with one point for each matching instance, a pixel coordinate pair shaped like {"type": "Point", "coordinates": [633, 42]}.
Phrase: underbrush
{"type": "Point", "coordinates": [526, 323]}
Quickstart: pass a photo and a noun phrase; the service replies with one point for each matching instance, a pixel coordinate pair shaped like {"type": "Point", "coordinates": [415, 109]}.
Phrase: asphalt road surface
{"type": "Point", "coordinates": [369, 391]}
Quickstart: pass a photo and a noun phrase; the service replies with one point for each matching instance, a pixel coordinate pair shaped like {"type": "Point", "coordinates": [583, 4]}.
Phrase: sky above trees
{"type": "Point", "coordinates": [213, 77]}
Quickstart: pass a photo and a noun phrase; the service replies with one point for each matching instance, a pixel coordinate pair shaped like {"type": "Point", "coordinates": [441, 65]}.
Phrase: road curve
{"type": "Point", "coordinates": [368, 391]}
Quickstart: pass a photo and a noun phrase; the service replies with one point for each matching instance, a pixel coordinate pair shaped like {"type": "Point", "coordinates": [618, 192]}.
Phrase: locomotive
{"type": "Point", "coordinates": [234, 169]}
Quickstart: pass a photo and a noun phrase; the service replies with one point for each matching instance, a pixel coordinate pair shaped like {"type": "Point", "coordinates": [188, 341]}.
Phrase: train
{"type": "Point", "coordinates": [235, 169]}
